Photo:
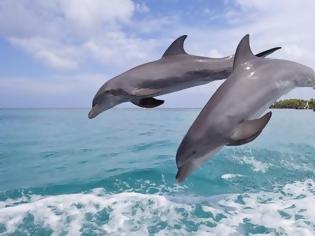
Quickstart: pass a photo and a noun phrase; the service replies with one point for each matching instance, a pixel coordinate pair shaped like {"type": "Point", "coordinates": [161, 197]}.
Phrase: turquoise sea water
{"type": "Point", "coordinates": [63, 174]}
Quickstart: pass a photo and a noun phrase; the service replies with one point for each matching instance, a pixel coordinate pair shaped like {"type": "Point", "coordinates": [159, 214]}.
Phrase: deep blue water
{"type": "Point", "coordinates": [63, 174]}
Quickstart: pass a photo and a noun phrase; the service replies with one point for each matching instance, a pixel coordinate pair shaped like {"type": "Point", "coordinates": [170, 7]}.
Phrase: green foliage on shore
{"type": "Point", "coordinates": [294, 104]}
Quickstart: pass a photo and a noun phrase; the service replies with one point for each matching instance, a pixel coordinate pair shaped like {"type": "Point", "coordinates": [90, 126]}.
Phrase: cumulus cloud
{"type": "Point", "coordinates": [50, 52]}
{"type": "Point", "coordinates": [270, 23]}
{"type": "Point", "coordinates": [116, 48]}
{"type": "Point", "coordinates": [142, 7]}
{"type": "Point", "coordinates": [281, 23]}
{"type": "Point", "coordinates": [63, 34]}
{"type": "Point", "coordinates": [93, 14]}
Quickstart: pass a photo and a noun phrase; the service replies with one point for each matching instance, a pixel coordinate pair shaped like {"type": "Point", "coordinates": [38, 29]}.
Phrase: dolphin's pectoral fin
{"type": "Point", "coordinates": [267, 52]}
{"type": "Point", "coordinates": [148, 102]}
{"type": "Point", "coordinates": [248, 130]}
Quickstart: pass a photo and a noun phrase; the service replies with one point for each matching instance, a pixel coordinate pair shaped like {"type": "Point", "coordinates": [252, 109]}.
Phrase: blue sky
{"type": "Point", "coordinates": [57, 53]}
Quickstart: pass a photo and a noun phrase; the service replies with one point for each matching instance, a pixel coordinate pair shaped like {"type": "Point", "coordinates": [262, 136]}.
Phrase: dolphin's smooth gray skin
{"type": "Point", "coordinates": [176, 70]}
{"type": "Point", "coordinates": [230, 116]}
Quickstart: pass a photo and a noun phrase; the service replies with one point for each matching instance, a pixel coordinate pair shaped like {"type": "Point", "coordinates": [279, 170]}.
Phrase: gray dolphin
{"type": "Point", "coordinates": [230, 116]}
{"type": "Point", "coordinates": [176, 70]}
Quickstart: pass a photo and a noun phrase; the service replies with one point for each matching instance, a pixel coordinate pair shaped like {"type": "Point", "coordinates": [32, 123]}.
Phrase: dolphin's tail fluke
{"type": "Point", "coordinates": [267, 52]}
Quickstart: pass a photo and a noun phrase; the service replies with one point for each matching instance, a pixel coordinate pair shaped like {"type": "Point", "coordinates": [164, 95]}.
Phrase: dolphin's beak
{"type": "Point", "coordinates": [93, 113]}
{"type": "Point", "coordinates": [107, 104]}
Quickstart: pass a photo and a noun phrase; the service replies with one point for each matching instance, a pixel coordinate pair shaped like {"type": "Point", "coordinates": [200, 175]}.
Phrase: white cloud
{"type": "Point", "coordinates": [142, 7]}
{"type": "Point", "coordinates": [282, 22]}
{"type": "Point", "coordinates": [66, 33]}
{"type": "Point", "coordinates": [54, 84]}
{"type": "Point", "coordinates": [63, 34]}
{"type": "Point", "coordinates": [116, 48]}
{"type": "Point", "coordinates": [45, 17]}
{"type": "Point", "coordinates": [50, 52]}
{"type": "Point", "coordinates": [270, 23]}
{"type": "Point", "coordinates": [50, 91]}
{"type": "Point", "coordinates": [156, 25]}
{"type": "Point", "coordinates": [54, 61]}
{"type": "Point", "coordinates": [92, 14]}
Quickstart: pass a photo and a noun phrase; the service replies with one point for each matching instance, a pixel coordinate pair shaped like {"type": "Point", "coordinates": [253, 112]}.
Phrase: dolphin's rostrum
{"type": "Point", "coordinates": [176, 70]}
{"type": "Point", "coordinates": [230, 116]}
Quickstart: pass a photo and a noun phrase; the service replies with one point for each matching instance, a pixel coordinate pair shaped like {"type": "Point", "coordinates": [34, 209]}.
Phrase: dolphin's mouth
{"type": "Point", "coordinates": [92, 114]}
{"type": "Point", "coordinates": [96, 110]}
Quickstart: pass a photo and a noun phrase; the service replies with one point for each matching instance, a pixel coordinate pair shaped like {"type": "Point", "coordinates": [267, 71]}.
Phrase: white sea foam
{"type": "Point", "coordinates": [289, 210]}
{"type": "Point", "coordinates": [229, 176]}
{"type": "Point", "coordinates": [256, 165]}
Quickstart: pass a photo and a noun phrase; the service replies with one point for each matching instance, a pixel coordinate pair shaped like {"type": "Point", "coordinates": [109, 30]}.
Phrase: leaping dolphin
{"type": "Point", "coordinates": [176, 70]}
{"type": "Point", "coordinates": [230, 116]}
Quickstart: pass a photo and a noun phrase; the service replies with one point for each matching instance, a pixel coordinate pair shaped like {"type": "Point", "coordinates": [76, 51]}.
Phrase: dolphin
{"type": "Point", "coordinates": [231, 115]}
{"type": "Point", "coordinates": [176, 70]}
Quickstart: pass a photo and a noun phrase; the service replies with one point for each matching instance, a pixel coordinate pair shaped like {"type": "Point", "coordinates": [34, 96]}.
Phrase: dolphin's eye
{"type": "Point", "coordinates": [194, 152]}
{"type": "Point", "coordinates": [97, 100]}
{"type": "Point", "coordinates": [93, 102]}
{"type": "Point", "coordinates": [101, 96]}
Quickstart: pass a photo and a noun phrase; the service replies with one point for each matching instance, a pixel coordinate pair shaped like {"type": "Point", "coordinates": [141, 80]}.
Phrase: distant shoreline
{"type": "Point", "coordinates": [298, 104]}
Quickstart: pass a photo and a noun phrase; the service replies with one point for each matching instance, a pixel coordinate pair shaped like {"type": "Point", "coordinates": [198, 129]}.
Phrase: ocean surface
{"type": "Point", "coordinates": [63, 174]}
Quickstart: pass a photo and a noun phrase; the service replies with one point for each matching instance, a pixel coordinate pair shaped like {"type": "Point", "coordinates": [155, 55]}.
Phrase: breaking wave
{"type": "Point", "coordinates": [288, 210]}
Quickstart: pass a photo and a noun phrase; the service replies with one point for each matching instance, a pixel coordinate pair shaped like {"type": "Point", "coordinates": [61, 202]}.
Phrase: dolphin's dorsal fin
{"type": "Point", "coordinates": [243, 52]}
{"type": "Point", "coordinates": [267, 52]}
{"type": "Point", "coordinates": [248, 130]}
{"type": "Point", "coordinates": [176, 48]}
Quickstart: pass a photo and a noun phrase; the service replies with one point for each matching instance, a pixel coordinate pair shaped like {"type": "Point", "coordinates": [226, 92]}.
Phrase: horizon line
{"type": "Point", "coordinates": [85, 108]}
